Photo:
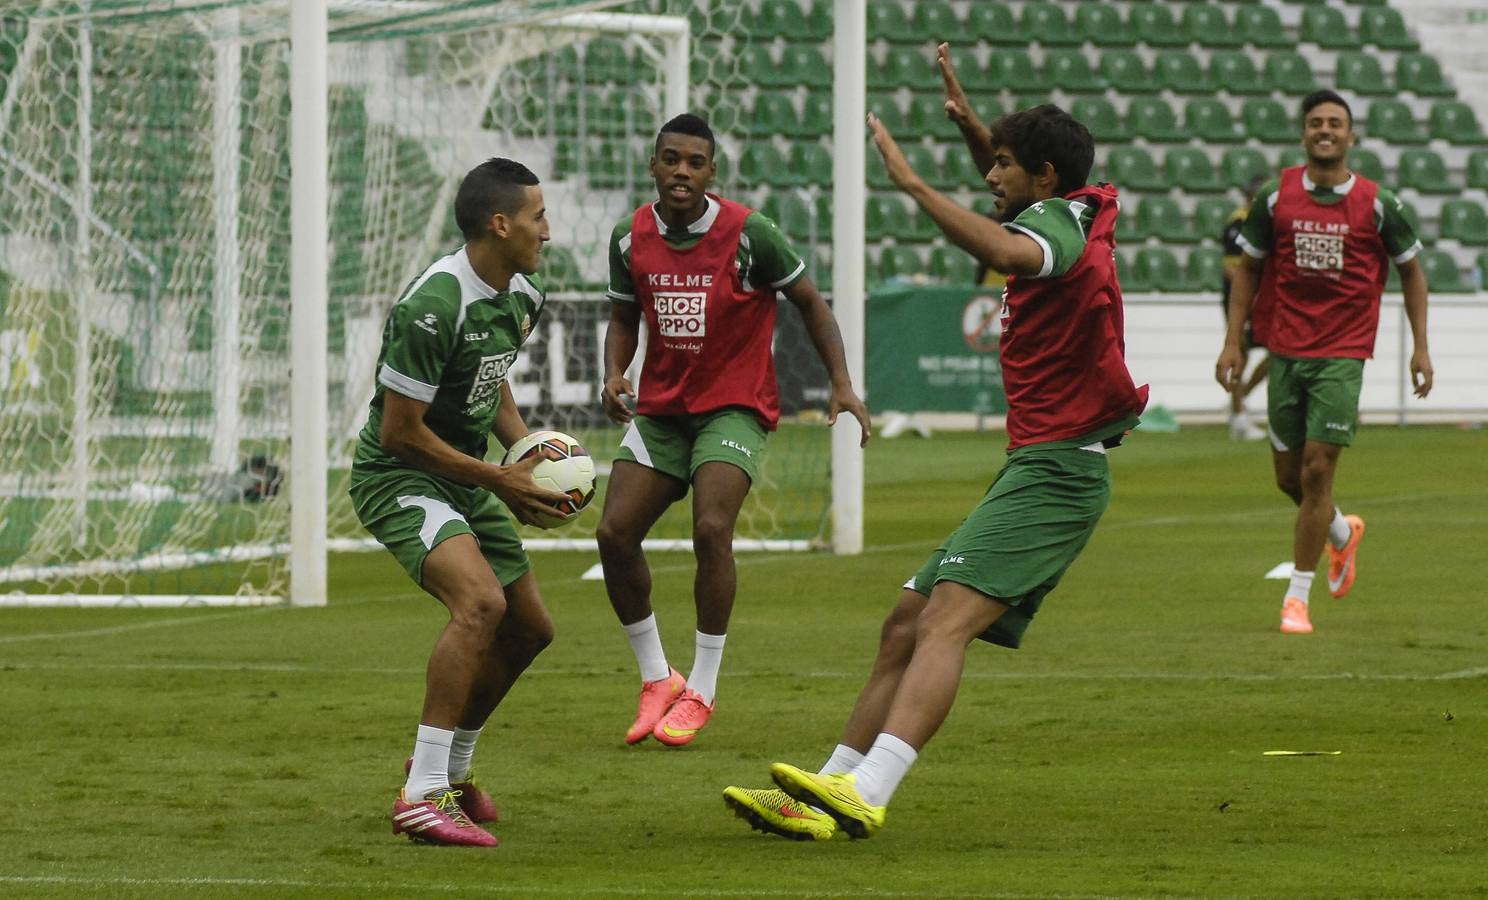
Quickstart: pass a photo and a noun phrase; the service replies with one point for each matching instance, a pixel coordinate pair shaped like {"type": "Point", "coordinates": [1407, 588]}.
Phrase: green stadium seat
{"type": "Point", "coordinates": [920, 158]}
{"type": "Point", "coordinates": [773, 114]}
{"type": "Point", "coordinates": [927, 116]}
{"type": "Point", "coordinates": [762, 163]}
{"type": "Point", "coordinates": [1326, 27]}
{"type": "Point", "coordinates": [1385, 28]}
{"type": "Point", "coordinates": [1442, 274]}
{"type": "Point", "coordinates": [1411, 216]}
{"type": "Point", "coordinates": [1204, 270]}
{"type": "Point", "coordinates": [1179, 71]}
{"type": "Point", "coordinates": [816, 115]}
{"type": "Point", "coordinates": [899, 262]}
{"type": "Point", "coordinates": [817, 25]}
{"type": "Point", "coordinates": [1153, 23]}
{"type": "Point", "coordinates": [1267, 121]}
{"type": "Point", "coordinates": [819, 267]}
{"type": "Point", "coordinates": [1129, 228]}
{"type": "Point", "coordinates": [1425, 171]}
{"type": "Point", "coordinates": [1207, 26]}
{"type": "Point", "coordinates": [607, 61]}
{"type": "Point", "coordinates": [994, 23]}
{"type": "Point", "coordinates": [725, 111]}
{"type": "Point", "coordinates": [798, 219]}
{"type": "Point", "coordinates": [1464, 221]}
{"type": "Point", "coordinates": [886, 107]}
{"type": "Point", "coordinates": [1190, 169]}
{"type": "Point", "coordinates": [1235, 71]}
{"type": "Point", "coordinates": [1152, 118]}
{"type": "Point", "coordinates": [1124, 70]}
{"type": "Point", "coordinates": [1158, 266]}
{"type": "Point", "coordinates": [1367, 163]}
{"type": "Point", "coordinates": [1101, 24]}
{"type": "Point", "coordinates": [805, 65]}
{"type": "Point", "coordinates": [1361, 73]}
{"type": "Point", "coordinates": [1261, 26]}
{"type": "Point", "coordinates": [604, 113]}
{"type": "Point", "coordinates": [887, 21]}
{"type": "Point", "coordinates": [881, 214]}
{"type": "Point", "coordinates": [565, 158]}
{"type": "Point", "coordinates": [970, 72]}
{"type": "Point", "coordinates": [1454, 122]}
{"type": "Point", "coordinates": [1046, 23]}
{"type": "Point", "coordinates": [1477, 169]}
{"type": "Point", "coordinates": [759, 67]}
{"type": "Point", "coordinates": [952, 265]}
{"type": "Point", "coordinates": [811, 163]}
{"type": "Point", "coordinates": [1209, 119]}
{"type": "Point", "coordinates": [1132, 280]}
{"type": "Point", "coordinates": [936, 21]}
{"type": "Point", "coordinates": [1290, 158]}
{"type": "Point", "coordinates": [1241, 165]}
{"type": "Point", "coordinates": [611, 164]}
{"type": "Point", "coordinates": [1289, 72]}
{"type": "Point", "coordinates": [560, 269]}
{"type": "Point", "coordinates": [1014, 70]}
{"type": "Point", "coordinates": [1069, 70]}
{"type": "Point", "coordinates": [1100, 116]}
{"type": "Point", "coordinates": [777, 18]}
{"type": "Point", "coordinates": [1210, 216]}
{"type": "Point", "coordinates": [1162, 218]}
{"type": "Point", "coordinates": [902, 67]}
{"type": "Point", "coordinates": [1132, 169]}
{"type": "Point", "coordinates": [1480, 269]}
{"type": "Point", "coordinates": [1421, 74]}
{"type": "Point", "coordinates": [1394, 122]}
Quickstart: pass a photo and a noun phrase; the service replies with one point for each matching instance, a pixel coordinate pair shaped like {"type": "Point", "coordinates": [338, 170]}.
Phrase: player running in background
{"type": "Point", "coordinates": [1318, 243]}
{"type": "Point", "coordinates": [1070, 400]}
{"type": "Point", "coordinates": [1241, 428]}
{"type": "Point", "coordinates": [420, 485]}
{"type": "Point", "coordinates": [704, 272]}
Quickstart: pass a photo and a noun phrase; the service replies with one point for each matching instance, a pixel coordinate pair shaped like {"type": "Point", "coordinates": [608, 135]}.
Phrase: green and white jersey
{"type": "Point", "coordinates": [1059, 228]}
{"type": "Point", "coordinates": [1394, 228]}
{"type": "Point", "coordinates": [449, 342]}
{"type": "Point", "coordinates": [765, 257]}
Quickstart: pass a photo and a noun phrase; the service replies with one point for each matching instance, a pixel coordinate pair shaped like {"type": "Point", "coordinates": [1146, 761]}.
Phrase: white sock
{"type": "Point", "coordinates": [705, 662]}
{"type": "Point", "coordinates": [887, 763]}
{"type": "Point", "coordinates": [462, 748]}
{"type": "Point", "coordinates": [430, 771]}
{"type": "Point", "coordinates": [1301, 585]}
{"type": "Point", "coordinates": [843, 759]}
{"type": "Point", "coordinates": [1338, 530]}
{"type": "Point", "coordinates": [645, 642]}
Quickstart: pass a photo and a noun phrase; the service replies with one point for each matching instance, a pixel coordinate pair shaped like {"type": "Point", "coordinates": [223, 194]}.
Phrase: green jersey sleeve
{"type": "Point", "coordinates": [622, 286]}
{"type": "Point", "coordinates": [766, 255]}
{"type": "Point", "coordinates": [1058, 226]}
{"type": "Point", "coordinates": [420, 335]}
{"type": "Point", "coordinates": [1255, 234]}
{"type": "Point", "coordinates": [1394, 228]}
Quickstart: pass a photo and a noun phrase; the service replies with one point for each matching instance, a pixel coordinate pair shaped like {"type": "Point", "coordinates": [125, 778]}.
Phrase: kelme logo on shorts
{"type": "Point", "coordinates": [737, 446]}
{"type": "Point", "coordinates": [952, 559]}
{"type": "Point", "coordinates": [1336, 426]}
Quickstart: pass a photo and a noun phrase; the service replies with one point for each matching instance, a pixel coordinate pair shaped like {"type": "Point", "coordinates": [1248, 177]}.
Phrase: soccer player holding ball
{"type": "Point", "coordinates": [1318, 243]}
{"type": "Point", "coordinates": [421, 486]}
{"type": "Point", "coordinates": [704, 272]}
{"type": "Point", "coordinates": [1070, 400]}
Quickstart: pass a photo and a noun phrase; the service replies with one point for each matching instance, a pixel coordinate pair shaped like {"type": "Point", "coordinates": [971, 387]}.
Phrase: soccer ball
{"type": "Point", "coordinates": [566, 467]}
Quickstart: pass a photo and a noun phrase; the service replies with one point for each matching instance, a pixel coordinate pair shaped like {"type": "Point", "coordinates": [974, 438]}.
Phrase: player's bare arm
{"type": "Point", "coordinates": [404, 435]}
{"type": "Point", "coordinates": [621, 340]}
{"type": "Point", "coordinates": [1230, 367]}
{"type": "Point", "coordinates": [989, 242]}
{"type": "Point", "coordinates": [958, 109]}
{"type": "Point", "coordinates": [1413, 285]}
{"type": "Point", "coordinates": [827, 338]}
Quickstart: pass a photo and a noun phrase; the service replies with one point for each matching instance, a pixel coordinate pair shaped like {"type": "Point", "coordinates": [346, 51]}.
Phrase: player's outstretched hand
{"type": "Point", "coordinates": [515, 487]}
{"type": "Point", "coordinates": [613, 398]}
{"type": "Point", "coordinates": [1230, 367]}
{"type": "Point", "coordinates": [845, 399]}
{"type": "Point", "coordinates": [897, 166]}
{"type": "Point", "coordinates": [1420, 369]}
{"type": "Point", "coordinates": [957, 107]}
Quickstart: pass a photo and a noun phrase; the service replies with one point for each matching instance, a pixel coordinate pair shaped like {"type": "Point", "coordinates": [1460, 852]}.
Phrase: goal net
{"type": "Point", "coordinates": [145, 379]}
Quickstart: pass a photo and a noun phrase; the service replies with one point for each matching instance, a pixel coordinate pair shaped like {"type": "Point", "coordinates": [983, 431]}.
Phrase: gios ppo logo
{"type": "Point", "coordinates": [681, 314]}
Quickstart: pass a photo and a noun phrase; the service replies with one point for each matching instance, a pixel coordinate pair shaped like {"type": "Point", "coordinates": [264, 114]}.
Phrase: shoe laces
{"type": "Point", "coordinates": [448, 802]}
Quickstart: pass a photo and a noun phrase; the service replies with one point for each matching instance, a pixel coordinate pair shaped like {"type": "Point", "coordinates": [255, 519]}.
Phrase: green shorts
{"type": "Point", "coordinates": [1313, 400]}
{"type": "Point", "coordinates": [1017, 543]}
{"type": "Point", "coordinates": [677, 445]}
{"type": "Point", "coordinates": [410, 512]}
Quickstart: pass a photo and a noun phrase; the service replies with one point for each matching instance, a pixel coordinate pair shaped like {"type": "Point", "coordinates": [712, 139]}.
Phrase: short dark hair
{"type": "Point", "coordinates": [1048, 134]}
{"type": "Point", "coordinates": [495, 186]}
{"type": "Point", "coordinates": [689, 124]}
{"type": "Point", "coordinates": [1318, 98]}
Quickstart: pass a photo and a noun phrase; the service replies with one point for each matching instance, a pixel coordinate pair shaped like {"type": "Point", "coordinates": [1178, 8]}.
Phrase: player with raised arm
{"type": "Point", "coordinates": [1318, 243]}
{"type": "Point", "coordinates": [704, 272]}
{"type": "Point", "coordinates": [1070, 400]}
{"type": "Point", "coordinates": [420, 484]}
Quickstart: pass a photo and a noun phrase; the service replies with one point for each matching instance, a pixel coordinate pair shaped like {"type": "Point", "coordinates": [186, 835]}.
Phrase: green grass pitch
{"type": "Point", "coordinates": [255, 753]}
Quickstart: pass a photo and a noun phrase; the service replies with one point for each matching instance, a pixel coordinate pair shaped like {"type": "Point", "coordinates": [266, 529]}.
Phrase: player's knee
{"type": "Point", "coordinates": [1290, 483]}
{"type": "Point", "coordinates": [713, 534]}
{"type": "Point", "coordinates": [480, 610]}
{"type": "Point", "coordinates": [525, 643]}
{"type": "Point", "coordinates": [896, 639]}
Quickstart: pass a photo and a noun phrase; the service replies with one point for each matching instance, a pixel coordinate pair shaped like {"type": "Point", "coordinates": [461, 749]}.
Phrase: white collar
{"type": "Point", "coordinates": [1344, 188]}
{"type": "Point", "coordinates": [703, 223]}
